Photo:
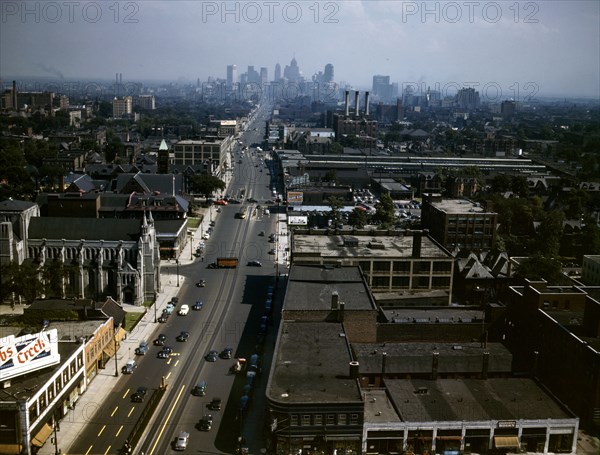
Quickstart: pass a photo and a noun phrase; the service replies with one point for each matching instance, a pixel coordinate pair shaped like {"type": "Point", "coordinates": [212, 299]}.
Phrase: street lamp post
{"type": "Point", "coordinates": [115, 343]}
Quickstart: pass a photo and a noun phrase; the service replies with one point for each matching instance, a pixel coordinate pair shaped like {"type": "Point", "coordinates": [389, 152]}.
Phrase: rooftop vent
{"type": "Point", "coordinates": [350, 241]}
{"type": "Point", "coordinates": [376, 245]}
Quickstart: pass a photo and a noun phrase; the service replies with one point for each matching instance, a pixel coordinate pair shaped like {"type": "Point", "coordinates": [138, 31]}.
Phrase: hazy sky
{"type": "Point", "coordinates": [552, 47]}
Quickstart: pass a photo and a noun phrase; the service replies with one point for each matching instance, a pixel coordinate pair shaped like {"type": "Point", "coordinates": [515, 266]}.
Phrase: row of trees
{"type": "Point", "coordinates": [23, 281]}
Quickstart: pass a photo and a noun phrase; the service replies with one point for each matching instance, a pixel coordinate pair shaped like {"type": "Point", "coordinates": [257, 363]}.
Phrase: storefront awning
{"type": "Point", "coordinates": [109, 350]}
{"type": "Point", "coordinates": [40, 438]}
{"type": "Point", "coordinates": [506, 442]}
{"type": "Point", "coordinates": [449, 438]}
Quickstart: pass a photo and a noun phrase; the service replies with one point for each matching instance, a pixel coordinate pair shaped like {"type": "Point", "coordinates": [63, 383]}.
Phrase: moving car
{"type": "Point", "coordinates": [254, 264]}
{"type": "Point", "coordinates": [160, 340]}
{"type": "Point", "coordinates": [129, 367]}
{"type": "Point", "coordinates": [201, 283]}
{"type": "Point", "coordinates": [212, 356]}
{"type": "Point", "coordinates": [183, 336]}
{"type": "Point", "coordinates": [199, 389]}
{"type": "Point", "coordinates": [142, 348]}
{"type": "Point", "coordinates": [185, 309]}
{"type": "Point", "coordinates": [139, 395]}
{"type": "Point", "coordinates": [182, 441]}
{"type": "Point", "coordinates": [198, 305]}
{"type": "Point", "coordinates": [165, 353]}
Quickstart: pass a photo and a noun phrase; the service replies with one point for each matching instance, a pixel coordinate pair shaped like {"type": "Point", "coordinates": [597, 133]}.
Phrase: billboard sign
{"type": "Point", "coordinates": [28, 353]}
{"type": "Point", "coordinates": [295, 197]}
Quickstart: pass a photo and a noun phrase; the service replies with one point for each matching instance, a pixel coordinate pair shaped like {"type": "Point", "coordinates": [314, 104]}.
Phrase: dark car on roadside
{"type": "Point", "coordinates": [215, 404]}
{"type": "Point", "coordinates": [212, 356]}
{"type": "Point", "coordinates": [226, 353]}
{"type": "Point", "coordinates": [254, 264]}
{"type": "Point", "coordinates": [198, 305]}
{"type": "Point", "coordinates": [142, 348]}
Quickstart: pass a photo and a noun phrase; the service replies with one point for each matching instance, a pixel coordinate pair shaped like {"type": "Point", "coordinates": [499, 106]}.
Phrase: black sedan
{"type": "Point", "coordinates": [183, 336]}
{"type": "Point", "coordinates": [139, 395]}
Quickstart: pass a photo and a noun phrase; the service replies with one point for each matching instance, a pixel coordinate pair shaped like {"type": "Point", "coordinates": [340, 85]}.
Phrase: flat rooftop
{"type": "Point", "coordinates": [472, 399]}
{"type": "Point", "coordinates": [311, 365]}
{"type": "Point", "coordinates": [378, 407]}
{"type": "Point", "coordinates": [311, 288]}
{"type": "Point", "coordinates": [450, 206]}
{"type": "Point", "coordinates": [388, 246]}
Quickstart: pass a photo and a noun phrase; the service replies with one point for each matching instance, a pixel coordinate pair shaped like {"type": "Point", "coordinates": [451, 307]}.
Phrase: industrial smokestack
{"type": "Point", "coordinates": [347, 100]}
{"type": "Point", "coordinates": [120, 78]}
{"type": "Point", "coordinates": [383, 363]}
{"type": "Point", "coordinates": [366, 103]}
{"type": "Point", "coordinates": [356, 102]}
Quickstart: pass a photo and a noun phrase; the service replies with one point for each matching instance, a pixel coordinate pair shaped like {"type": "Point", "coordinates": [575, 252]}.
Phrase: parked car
{"type": "Point", "coordinates": [215, 404]}
{"type": "Point", "coordinates": [212, 356]}
{"type": "Point", "coordinates": [226, 353]}
{"type": "Point", "coordinates": [254, 264]}
{"type": "Point", "coordinates": [142, 348]}
{"type": "Point", "coordinates": [169, 308]}
{"type": "Point", "coordinates": [182, 441]}
{"type": "Point", "coordinates": [183, 336]}
{"type": "Point", "coordinates": [129, 367]}
{"type": "Point", "coordinates": [212, 265]}
{"type": "Point", "coordinates": [185, 309]}
{"type": "Point", "coordinates": [206, 422]}
{"type": "Point", "coordinates": [160, 340]}
{"type": "Point", "coordinates": [201, 283]}
{"type": "Point", "coordinates": [163, 318]}
{"type": "Point", "coordinates": [139, 395]}
{"type": "Point", "coordinates": [198, 305]}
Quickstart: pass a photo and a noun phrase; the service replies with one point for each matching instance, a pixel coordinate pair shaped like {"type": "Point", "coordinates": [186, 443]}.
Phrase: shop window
{"type": "Point", "coordinates": [305, 419]}
{"type": "Point", "coordinates": [330, 419]}
{"type": "Point", "coordinates": [342, 419]}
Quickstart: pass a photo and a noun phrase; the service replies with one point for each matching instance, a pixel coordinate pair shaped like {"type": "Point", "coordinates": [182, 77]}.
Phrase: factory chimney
{"type": "Point", "coordinates": [356, 102]}
{"type": "Point", "coordinates": [366, 103]}
{"type": "Point", "coordinates": [347, 100]}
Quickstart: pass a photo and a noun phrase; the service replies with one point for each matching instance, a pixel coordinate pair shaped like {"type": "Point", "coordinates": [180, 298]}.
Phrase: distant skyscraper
{"type": "Point", "coordinates": [467, 98]}
{"type": "Point", "coordinates": [277, 72]}
{"type": "Point", "coordinates": [231, 75]}
{"type": "Point", "coordinates": [508, 108]}
{"type": "Point", "coordinates": [263, 75]}
{"type": "Point", "coordinates": [292, 72]}
{"type": "Point", "coordinates": [382, 87]}
{"type": "Point", "coordinates": [328, 74]}
{"type": "Point", "coordinates": [252, 76]}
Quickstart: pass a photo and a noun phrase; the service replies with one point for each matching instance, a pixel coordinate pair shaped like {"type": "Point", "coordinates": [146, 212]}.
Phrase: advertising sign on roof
{"type": "Point", "coordinates": [295, 197]}
{"type": "Point", "coordinates": [28, 353]}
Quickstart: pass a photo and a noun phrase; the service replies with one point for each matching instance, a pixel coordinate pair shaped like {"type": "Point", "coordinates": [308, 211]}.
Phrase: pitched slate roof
{"type": "Point", "coordinates": [15, 205]}
{"type": "Point", "coordinates": [84, 228]}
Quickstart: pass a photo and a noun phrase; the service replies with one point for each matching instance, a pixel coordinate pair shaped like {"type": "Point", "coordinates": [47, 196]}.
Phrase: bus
{"type": "Point", "coordinates": [242, 213]}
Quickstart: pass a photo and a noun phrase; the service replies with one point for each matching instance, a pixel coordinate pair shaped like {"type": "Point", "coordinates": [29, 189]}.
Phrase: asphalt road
{"type": "Point", "coordinates": [233, 304]}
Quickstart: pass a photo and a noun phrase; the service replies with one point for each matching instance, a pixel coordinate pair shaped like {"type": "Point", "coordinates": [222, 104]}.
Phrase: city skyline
{"type": "Point", "coordinates": [528, 48]}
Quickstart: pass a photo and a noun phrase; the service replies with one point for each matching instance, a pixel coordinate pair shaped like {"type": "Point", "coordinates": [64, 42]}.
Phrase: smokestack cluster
{"type": "Point", "coordinates": [347, 101]}
{"type": "Point", "coordinates": [366, 103]}
{"type": "Point", "coordinates": [356, 102]}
